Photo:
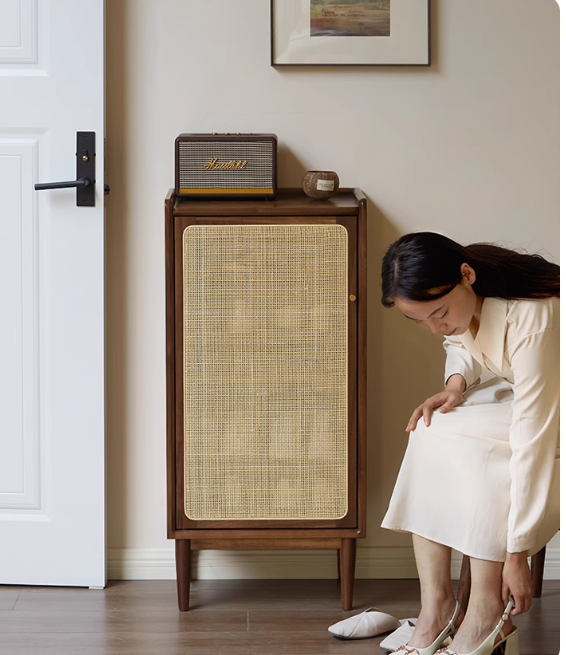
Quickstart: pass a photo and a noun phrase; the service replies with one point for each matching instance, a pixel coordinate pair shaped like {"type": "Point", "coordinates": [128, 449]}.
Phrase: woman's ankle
{"type": "Point", "coordinates": [486, 607]}
{"type": "Point", "coordinates": [433, 619]}
{"type": "Point", "coordinates": [439, 605]}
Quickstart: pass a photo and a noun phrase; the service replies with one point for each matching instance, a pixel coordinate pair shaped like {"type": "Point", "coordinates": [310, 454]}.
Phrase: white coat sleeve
{"type": "Point", "coordinates": [533, 436]}
{"type": "Point", "coordinates": [459, 360]}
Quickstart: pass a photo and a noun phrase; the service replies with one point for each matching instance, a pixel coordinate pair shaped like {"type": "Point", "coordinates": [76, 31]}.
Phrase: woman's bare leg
{"type": "Point", "coordinates": [485, 607]}
{"type": "Point", "coordinates": [437, 598]}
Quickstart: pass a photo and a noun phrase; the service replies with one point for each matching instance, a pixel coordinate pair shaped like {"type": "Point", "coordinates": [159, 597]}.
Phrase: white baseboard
{"type": "Point", "coordinates": [371, 563]}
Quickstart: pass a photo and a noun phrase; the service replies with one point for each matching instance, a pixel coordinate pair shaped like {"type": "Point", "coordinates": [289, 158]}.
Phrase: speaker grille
{"type": "Point", "coordinates": [265, 371]}
{"type": "Point", "coordinates": [195, 155]}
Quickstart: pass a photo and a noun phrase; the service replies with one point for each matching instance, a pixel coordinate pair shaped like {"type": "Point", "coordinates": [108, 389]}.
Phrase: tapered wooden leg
{"type": "Point", "coordinates": [338, 562]}
{"type": "Point", "coordinates": [537, 570]}
{"type": "Point", "coordinates": [464, 585]}
{"type": "Point", "coordinates": [347, 568]}
{"type": "Point", "coordinates": [183, 563]}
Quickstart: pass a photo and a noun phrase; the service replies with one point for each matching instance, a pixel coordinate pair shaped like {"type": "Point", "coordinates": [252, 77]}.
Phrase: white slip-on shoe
{"type": "Point", "coordinates": [401, 636]}
{"type": "Point", "coordinates": [370, 623]}
{"type": "Point", "coordinates": [508, 644]}
{"type": "Point", "coordinates": [448, 631]}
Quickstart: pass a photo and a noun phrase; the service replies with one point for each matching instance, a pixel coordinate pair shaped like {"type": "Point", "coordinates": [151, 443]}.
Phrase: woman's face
{"type": "Point", "coordinates": [449, 315]}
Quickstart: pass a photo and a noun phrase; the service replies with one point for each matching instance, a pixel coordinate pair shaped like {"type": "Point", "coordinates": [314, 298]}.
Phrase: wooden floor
{"type": "Point", "coordinates": [232, 617]}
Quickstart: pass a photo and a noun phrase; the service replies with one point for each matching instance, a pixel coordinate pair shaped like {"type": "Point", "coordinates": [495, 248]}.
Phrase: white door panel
{"type": "Point", "coordinates": [52, 447]}
{"type": "Point", "coordinates": [19, 484]}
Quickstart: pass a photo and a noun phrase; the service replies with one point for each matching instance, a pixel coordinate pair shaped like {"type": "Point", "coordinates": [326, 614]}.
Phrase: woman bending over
{"type": "Point", "coordinates": [480, 473]}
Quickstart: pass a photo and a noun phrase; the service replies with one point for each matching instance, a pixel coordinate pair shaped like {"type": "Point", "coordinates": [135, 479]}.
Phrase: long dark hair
{"type": "Point", "coordinates": [426, 266]}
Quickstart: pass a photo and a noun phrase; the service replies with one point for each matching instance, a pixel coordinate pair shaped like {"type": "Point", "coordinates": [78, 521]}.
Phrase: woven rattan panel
{"type": "Point", "coordinates": [265, 371]}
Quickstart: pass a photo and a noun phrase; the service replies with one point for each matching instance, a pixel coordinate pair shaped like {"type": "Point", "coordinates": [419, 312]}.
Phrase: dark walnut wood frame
{"type": "Point", "coordinates": [292, 206]}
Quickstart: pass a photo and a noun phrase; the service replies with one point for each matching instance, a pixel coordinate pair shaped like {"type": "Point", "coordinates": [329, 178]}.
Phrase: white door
{"type": "Point", "coordinates": [52, 451]}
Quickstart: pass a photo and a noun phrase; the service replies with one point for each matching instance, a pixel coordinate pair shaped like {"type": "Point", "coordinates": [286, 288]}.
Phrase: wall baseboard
{"type": "Point", "coordinates": [372, 563]}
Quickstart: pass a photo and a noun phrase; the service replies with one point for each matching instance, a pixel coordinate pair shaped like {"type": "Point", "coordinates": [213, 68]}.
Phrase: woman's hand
{"type": "Point", "coordinates": [517, 582]}
{"type": "Point", "coordinates": [444, 401]}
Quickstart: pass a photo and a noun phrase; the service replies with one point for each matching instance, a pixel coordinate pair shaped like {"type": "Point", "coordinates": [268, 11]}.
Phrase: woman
{"type": "Point", "coordinates": [480, 473]}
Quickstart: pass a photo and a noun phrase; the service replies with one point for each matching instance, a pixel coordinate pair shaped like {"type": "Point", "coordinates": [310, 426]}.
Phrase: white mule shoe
{"type": "Point", "coordinates": [401, 636]}
{"type": "Point", "coordinates": [509, 644]}
{"type": "Point", "coordinates": [370, 623]}
{"type": "Point", "coordinates": [448, 631]}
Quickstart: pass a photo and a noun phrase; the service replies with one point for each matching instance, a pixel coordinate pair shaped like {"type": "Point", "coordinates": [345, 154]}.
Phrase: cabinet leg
{"type": "Point", "coordinates": [183, 564]}
{"type": "Point", "coordinates": [338, 562]}
{"type": "Point", "coordinates": [347, 568]}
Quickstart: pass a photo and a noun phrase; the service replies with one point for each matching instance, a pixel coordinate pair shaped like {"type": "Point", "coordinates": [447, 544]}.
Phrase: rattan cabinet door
{"type": "Point", "coordinates": [266, 373]}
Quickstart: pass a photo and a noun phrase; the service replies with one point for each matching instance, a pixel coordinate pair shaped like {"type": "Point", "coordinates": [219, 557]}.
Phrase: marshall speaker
{"type": "Point", "coordinates": [226, 165]}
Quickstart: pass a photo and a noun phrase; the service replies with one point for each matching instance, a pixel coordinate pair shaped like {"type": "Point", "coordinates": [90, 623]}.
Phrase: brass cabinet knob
{"type": "Point", "coordinates": [352, 297]}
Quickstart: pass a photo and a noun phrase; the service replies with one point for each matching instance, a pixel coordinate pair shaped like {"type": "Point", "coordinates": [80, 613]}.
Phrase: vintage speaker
{"type": "Point", "coordinates": [266, 334]}
{"type": "Point", "coordinates": [226, 165]}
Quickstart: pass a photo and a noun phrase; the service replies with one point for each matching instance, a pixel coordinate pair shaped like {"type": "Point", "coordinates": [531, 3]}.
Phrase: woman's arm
{"type": "Point", "coordinates": [461, 372]}
{"type": "Point", "coordinates": [535, 362]}
{"type": "Point", "coordinates": [516, 582]}
{"type": "Point", "coordinates": [460, 362]}
{"type": "Point", "coordinates": [456, 382]}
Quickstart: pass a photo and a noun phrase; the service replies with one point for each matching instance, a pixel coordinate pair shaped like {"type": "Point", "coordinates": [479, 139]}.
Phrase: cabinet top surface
{"type": "Point", "coordinates": [287, 202]}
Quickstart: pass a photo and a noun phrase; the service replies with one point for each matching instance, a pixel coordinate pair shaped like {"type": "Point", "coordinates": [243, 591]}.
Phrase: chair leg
{"type": "Point", "coordinates": [464, 585]}
{"type": "Point", "coordinates": [537, 570]}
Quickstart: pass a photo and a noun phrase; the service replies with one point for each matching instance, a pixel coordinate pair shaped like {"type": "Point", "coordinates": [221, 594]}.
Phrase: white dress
{"type": "Point", "coordinates": [484, 477]}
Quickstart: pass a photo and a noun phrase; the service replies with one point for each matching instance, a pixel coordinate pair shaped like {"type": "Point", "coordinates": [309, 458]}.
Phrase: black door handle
{"type": "Point", "coordinates": [86, 165]}
{"type": "Point", "coordinates": [84, 181]}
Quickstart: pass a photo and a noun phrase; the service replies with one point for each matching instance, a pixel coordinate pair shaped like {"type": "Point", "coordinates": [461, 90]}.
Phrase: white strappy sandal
{"type": "Point", "coordinates": [448, 631]}
{"type": "Point", "coordinates": [509, 644]}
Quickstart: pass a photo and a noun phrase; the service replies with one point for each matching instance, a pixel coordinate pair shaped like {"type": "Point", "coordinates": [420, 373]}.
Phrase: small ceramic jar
{"type": "Point", "coordinates": [320, 184]}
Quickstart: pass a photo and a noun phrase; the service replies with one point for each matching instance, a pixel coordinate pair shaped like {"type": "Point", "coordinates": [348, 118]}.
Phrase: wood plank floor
{"type": "Point", "coordinates": [235, 617]}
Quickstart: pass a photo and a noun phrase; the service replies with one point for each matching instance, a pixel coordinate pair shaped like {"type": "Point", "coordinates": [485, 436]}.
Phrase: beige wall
{"type": "Point", "coordinates": [468, 147]}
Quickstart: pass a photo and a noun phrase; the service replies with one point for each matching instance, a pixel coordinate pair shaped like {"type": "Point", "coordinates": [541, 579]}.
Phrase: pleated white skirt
{"type": "Point", "coordinates": [453, 487]}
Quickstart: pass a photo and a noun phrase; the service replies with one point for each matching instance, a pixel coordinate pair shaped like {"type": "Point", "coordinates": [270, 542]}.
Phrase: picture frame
{"type": "Point", "coordinates": [350, 33]}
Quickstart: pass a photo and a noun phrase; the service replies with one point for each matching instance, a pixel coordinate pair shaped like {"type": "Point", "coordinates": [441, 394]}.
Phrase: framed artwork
{"type": "Point", "coordinates": [350, 32]}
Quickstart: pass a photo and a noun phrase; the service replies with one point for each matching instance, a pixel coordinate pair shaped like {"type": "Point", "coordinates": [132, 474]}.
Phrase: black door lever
{"type": "Point", "coordinates": [84, 181]}
{"type": "Point", "coordinates": [86, 165]}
